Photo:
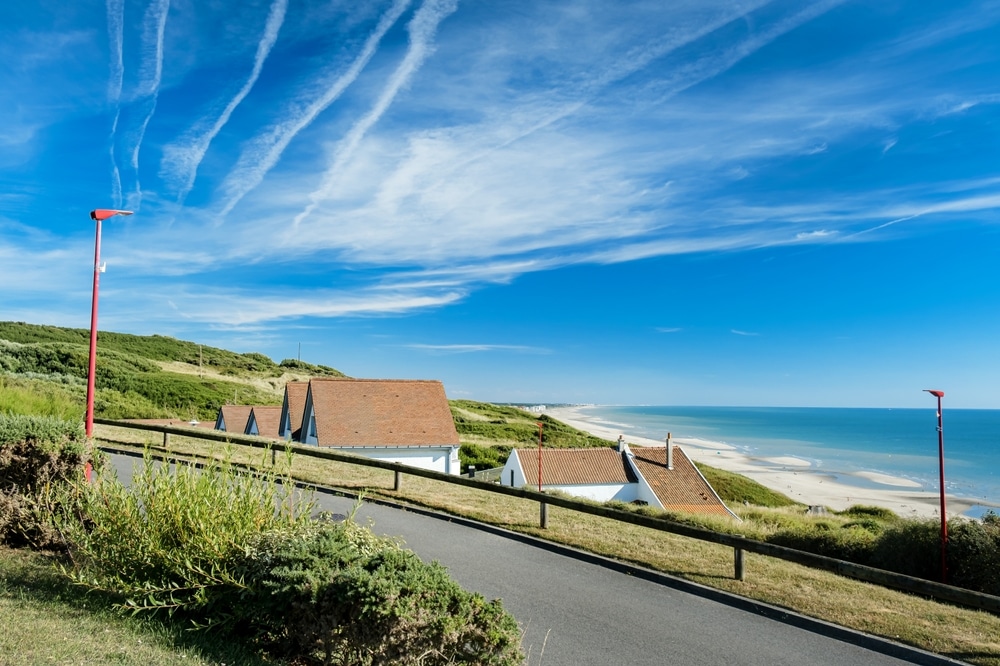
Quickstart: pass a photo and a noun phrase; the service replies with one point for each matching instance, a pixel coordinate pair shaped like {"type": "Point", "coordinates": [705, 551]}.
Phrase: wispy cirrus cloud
{"type": "Point", "coordinates": [264, 151]}
{"type": "Point", "coordinates": [422, 29]}
{"type": "Point", "coordinates": [747, 334]}
{"type": "Point", "coordinates": [144, 95]}
{"type": "Point", "coordinates": [181, 159]}
{"type": "Point", "coordinates": [474, 348]}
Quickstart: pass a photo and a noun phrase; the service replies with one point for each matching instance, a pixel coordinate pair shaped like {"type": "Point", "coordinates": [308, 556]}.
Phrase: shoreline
{"type": "Point", "coordinates": [791, 476]}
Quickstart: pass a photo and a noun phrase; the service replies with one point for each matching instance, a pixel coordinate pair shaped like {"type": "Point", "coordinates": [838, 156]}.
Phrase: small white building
{"type": "Point", "coordinates": [628, 474]}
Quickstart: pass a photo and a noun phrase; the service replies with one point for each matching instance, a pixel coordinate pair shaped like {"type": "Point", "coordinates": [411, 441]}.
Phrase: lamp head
{"type": "Point", "coordinates": [102, 214]}
{"type": "Point", "coordinates": [936, 394]}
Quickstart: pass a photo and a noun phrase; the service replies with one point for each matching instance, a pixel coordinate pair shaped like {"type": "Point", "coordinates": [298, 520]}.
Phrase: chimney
{"type": "Point", "coordinates": [670, 453]}
{"type": "Point", "coordinates": [621, 443]}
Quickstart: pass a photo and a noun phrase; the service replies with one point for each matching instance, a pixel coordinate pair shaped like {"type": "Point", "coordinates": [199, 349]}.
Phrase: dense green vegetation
{"type": "Point", "coordinates": [222, 548]}
{"type": "Point", "coordinates": [513, 426]}
{"type": "Point", "coordinates": [38, 454]}
{"type": "Point", "coordinates": [130, 380]}
{"type": "Point", "coordinates": [737, 489]}
{"type": "Point", "coordinates": [161, 348]}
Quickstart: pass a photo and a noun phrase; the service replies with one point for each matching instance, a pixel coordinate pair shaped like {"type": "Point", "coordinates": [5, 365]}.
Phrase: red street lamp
{"type": "Point", "coordinates": [944, 516]}
{"type": "Point", "coordinates": [98, 216]}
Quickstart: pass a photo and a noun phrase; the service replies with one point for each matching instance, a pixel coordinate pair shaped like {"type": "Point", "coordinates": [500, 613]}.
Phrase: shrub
{"type": "Point", "coordinates": [340, 592]}
{"type": "Point", "coordinates": [974, 555]}
{"type": "Point", "coordinates": [911, 547]}
{"type": "Point", "coordinates": [853, 544]}
{"type": "Point", "coordinates": [483, 457]}
{"type": "Point", "coordinates": [162, 543]}
{"type": "Point", "coordinates": [876, 512]}
{"type": "Point", "coordinates": [37, 454]}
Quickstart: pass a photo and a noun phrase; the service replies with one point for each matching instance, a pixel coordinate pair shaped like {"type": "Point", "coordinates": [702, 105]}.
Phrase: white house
{"type": "Point", "coordinates": [403, 421]}
{"type": "Point", "coordinates": [629, 474]}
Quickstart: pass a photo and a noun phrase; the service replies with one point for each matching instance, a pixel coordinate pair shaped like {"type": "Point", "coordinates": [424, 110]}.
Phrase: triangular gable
{"type": "Point", "coordinates": [233, 418]}
{"type": "Point", "coordinates": [263, 421]}
{"type": "Point", "coordinates": [292, 410]}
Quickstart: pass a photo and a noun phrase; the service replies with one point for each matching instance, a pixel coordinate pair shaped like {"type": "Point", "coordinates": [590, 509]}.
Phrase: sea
{"type": "Point", "coordinates": [841, 441]}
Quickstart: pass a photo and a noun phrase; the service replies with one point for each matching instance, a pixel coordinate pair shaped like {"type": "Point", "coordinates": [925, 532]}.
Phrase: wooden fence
{"type": "Point", "coordinates": [919, 586]}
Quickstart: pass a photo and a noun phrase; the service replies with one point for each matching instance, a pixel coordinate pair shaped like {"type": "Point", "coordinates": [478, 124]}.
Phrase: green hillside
{"type": "Point", "coordinates": [140, 376]}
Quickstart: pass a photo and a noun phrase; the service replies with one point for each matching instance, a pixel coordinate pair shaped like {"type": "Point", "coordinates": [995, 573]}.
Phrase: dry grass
{"type": "Point", "coordinates": [959, 633]}
{"type": "Point", "coordinates": [275, 385]}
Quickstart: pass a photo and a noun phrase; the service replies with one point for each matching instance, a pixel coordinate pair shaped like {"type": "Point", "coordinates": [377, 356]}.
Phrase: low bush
{"type": "Point", "coordinates": [844, 543]}
{"type": "Point", "coordinates": [874, 512]}
{"type": "Point", "coordinates": [37, 455]}
{"type": "Point", "coordinates": [161, 543]}
{"type": "Point", "coordinates": [483, 457]}
{"type": "Point", "coordinates": [339, 593]}
{"type": "Point", "coordinates": [910, 547]}
{"type": "Point", "coordinates": [974, 554]}
{"type": "Point", "coordinates": [220, 548]}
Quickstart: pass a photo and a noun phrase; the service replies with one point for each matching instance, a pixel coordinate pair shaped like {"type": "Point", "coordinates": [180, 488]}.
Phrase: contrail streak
{"type": "Point", "coordinates": [155, 21]}
{"type": "Point", "coordinates": [422, 29]}
{"type": "Point", "coordinates": [185, 160]}
{"type": "Point", "coordinates": [261, 156]}
{"type": "Point", "coordinates": [116, 13]}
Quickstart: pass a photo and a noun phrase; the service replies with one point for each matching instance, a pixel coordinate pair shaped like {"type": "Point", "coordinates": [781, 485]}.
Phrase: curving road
{"type": "Point", "coordinates": [577, 611]}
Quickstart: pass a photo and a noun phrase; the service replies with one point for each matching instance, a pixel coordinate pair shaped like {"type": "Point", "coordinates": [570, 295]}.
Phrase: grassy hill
{"type": "Point", "coordinates": [140, 376]}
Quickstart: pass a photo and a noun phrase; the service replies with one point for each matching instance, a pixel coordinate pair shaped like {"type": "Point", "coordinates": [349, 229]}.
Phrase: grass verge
{"type": "Point", "coordinates": [959, 633]}
{"type": "Point", "coordinates": [48, 620]}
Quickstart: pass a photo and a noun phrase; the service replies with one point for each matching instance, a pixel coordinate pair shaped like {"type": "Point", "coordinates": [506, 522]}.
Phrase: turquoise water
{"type": "Point", "coordinates": [899, 442]}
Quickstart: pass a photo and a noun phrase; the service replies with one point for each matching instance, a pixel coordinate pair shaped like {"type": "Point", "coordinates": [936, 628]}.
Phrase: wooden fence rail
{"type": "Point", "coordinates": [919, 586]}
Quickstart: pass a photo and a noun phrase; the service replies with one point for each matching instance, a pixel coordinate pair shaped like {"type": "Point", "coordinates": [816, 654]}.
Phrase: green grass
{"type": "Point", "coordinates": [485, 423]}
{"type": "Point", "coordinates": [47, 620]}
{"type": "Point", "coordinates": [735, 489]}
{"type": "Point", "coordinates": [37, 397]}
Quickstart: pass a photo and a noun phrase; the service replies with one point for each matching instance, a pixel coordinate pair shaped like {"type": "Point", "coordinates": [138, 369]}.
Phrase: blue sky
{"type": "Point", "coordinates": [689, 203]}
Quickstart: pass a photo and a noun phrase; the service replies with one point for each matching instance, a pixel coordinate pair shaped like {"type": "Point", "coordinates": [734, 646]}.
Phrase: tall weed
{"type": "Point", "coordinates": [162, 542]}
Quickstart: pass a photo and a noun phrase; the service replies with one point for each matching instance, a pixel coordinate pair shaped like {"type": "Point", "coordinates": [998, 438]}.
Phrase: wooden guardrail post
{"type": "Point", "coordinates": [738, 563]}
{"type": "Point", "coordinates": [166, 440]}
{"type": "Point", "coordinates": [398, 482]}
{"type": "Point", "coordinates": [543, 515]}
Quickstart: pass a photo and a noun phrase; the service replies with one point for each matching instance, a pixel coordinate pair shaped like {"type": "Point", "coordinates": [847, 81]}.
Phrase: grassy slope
{"type": "Point", "coordinates": [48, 621]}
{"type": "Point", "coordinates": [148, 376]}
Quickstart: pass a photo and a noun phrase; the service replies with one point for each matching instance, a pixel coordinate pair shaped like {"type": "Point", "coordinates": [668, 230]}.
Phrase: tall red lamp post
{"type": "Point", "coordinates": [944, 516]}
{"type": "Point", "coordinates": [98, 215]}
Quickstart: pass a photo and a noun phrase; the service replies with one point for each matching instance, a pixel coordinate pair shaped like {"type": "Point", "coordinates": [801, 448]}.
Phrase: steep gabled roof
{"type": "Point", "coordinates": [234, 418]}
{"type": "Point", "coordinates": [267, 418]}
{"type": "Point", "coordinates": [294, 404]}
{"type": "Point", "coordinates": [381, 412]}
{"type": "Point", "coordinates": [576, 467]}
{"type": "Point", "coordinates": [682, 488]}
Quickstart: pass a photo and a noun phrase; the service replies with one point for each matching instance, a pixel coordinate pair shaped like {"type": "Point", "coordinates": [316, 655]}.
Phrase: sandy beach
{"type": "Point", "coordinates": [789, 475]}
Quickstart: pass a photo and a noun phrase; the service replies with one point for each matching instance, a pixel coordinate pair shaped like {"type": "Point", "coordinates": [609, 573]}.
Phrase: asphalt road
{"type": "Point", "coordinates": [578, 613]}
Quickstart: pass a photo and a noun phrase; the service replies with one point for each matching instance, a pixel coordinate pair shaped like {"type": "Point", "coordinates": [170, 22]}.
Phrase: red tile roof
{"type": "Point", "coordinates": [295, 403]}
{"type": "Point", "coordinates": [682, 488]}
{"type": "Point", "coordinates": [576, 467]}
{"type": "Point", "coordinates": [381, 412]}
{"type": "Point", "coordinates": [268, 418]}
{"type": "Point", "coordinates": [234, 417]}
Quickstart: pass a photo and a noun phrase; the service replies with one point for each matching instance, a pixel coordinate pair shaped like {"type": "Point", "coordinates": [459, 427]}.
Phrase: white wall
{"type": "Point", "coordinates": [443, 459]}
